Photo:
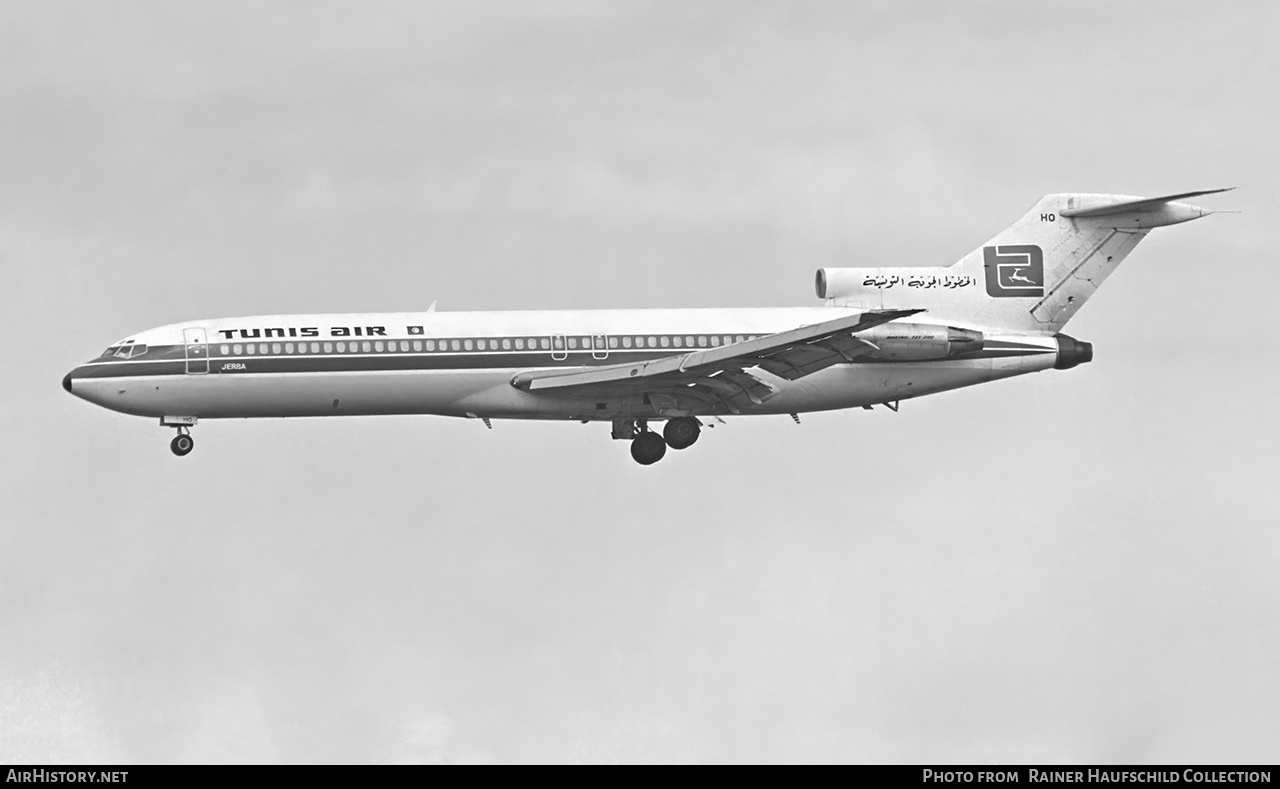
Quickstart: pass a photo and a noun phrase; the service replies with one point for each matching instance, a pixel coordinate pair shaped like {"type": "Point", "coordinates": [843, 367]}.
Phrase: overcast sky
{"type": "Point", "coordinates": [1072, 566]}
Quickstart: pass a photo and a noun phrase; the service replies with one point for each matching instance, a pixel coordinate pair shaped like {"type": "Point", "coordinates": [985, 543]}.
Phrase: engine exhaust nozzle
{"type": "Point", "coordinates": [1072, 352]}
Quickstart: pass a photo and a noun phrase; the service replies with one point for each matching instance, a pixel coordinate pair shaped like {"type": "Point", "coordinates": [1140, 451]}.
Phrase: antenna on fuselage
{"type": "Point", "coordinates": [432, 308]}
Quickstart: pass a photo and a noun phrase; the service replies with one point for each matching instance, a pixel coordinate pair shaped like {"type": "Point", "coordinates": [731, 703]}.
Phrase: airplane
{"type": "Point", "coordinates": [882, 335]}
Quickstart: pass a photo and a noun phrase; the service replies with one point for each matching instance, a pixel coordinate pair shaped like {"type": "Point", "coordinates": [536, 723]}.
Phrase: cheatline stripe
{"type": "Point", "coordinates": [322, 363]}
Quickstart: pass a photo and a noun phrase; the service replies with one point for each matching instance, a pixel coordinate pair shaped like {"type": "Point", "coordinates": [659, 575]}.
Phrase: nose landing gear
{"type": "Point", "coordinates": [182, 444]}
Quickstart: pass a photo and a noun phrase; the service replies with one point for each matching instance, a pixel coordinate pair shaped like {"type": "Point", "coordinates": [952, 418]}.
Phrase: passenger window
{"type": "Point", "coordinates": [715, 341]}
{"type": "Point", "coordinates": [288, 347]}
{"type": "Point", "coordinates": [545, 343]}
{"type": "Point", "coordinates": [557, 342]}
{"type": "Point", "coordinates": [224, 350]}
{"type": "Point", "coordinates": [237, 349]}
{"type": "Point", "coordinates": [250, 349]}
{"type": "Point", "coordinates": [417, 346]}
{"type": "Point", "coordinates": [457, 346]}
{"type": "Point", "coordinates": [739, 338]}
{"type": "Point", "coordinates": [675, 341]}
{"type": "Point", "coordinates": [431, 345]}
{"type": "Point", "coordinates": [328, 347]}
{"type": "Point", "coordinates": [367, 346]}
{"type": "Point", "coordinates": [653, 342]}
{"type": "Point", "coordinates": [377, 346]}
{"type": "Point", "coordinates": [702, 341]}
{"type": "Point", "coordinates": [506, 344]}
{"type": "Point", "coordinates": [275, 347]}
{"type": "Point", "coordinates": [613, 342]}
{"type": "Point", "coordinates": [573, 343]}
{"type": "Point", "coordinates": [481, 344]}
{"type": "Point", "coordinates": [404, 345]}
{"type": "Point", "coordinates": [342, 347]}
{"type": "Point", "coordinates": [626, 342]}
{"type": "Point", "coordinates": [467, 344]}
{"type": "Point", "coordinates": [315, 347]}
{"type": "Point", "coordinates": [519, 343]}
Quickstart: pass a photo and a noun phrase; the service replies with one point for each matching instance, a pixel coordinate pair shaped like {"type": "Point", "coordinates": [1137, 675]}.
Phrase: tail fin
{"type": "Point", "coordinates": [1032, 277]}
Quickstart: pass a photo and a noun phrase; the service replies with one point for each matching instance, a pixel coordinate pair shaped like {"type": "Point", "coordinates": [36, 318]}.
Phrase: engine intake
{"type": "Point", "coordinates": [869, 285]}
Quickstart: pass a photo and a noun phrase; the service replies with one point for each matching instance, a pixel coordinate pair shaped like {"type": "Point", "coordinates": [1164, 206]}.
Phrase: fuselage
{"type": "Point", "coordinates": [462, 363]}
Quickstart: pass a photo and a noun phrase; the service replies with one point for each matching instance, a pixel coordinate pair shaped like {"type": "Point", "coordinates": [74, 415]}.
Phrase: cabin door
{"type": "Point", "coordinates": [599, 346]}
{"type": "Point", "coordinates": [197, 346]}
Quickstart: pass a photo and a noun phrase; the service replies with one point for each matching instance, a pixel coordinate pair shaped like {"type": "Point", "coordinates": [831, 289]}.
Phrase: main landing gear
{"type": "Point", "coordinates": [681, 432]}
{"type": "Point", "coordinates": [647, 447]}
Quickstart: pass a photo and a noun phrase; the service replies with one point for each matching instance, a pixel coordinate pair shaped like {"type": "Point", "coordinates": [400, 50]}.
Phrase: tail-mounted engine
{"type": "Point", "coordinates": [901, 342]}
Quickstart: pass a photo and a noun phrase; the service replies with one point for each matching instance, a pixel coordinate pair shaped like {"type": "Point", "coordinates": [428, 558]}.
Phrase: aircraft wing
{"type": "Point", "coordinates": [720, 376]}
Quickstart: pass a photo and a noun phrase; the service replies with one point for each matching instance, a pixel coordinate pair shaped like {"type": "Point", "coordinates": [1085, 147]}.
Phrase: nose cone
{"type": "Point", "coordinates": [74, 380]}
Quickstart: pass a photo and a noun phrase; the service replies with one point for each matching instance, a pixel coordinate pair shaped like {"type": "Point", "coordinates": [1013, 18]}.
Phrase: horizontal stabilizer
{"type": "Point", "coordinates": [1132, 206]}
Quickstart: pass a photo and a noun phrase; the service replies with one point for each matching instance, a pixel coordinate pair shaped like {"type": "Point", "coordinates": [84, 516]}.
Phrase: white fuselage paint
{"type": "Point", "coordinates": [486, 391]}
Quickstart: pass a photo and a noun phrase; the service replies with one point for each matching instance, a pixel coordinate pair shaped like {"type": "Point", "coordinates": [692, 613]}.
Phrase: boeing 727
{"type": "Point", "coordinates": [882, 335]}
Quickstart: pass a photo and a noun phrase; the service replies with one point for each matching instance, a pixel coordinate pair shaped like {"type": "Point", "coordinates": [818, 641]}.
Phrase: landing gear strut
{"type": "Point", "coordinates": [182, 443]}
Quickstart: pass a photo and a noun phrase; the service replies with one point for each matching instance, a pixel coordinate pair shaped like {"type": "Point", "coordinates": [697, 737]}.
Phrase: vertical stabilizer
{"type": "Point", "coordinates": [1031, 277]}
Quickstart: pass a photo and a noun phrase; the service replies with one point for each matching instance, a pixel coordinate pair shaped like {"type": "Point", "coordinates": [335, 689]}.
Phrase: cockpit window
{"type": "Point", "coordinates": [129, 350]}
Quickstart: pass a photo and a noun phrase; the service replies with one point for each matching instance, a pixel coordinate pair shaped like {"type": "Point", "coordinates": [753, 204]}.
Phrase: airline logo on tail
{"type": "Point", "coordinates": [1014, 270]}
